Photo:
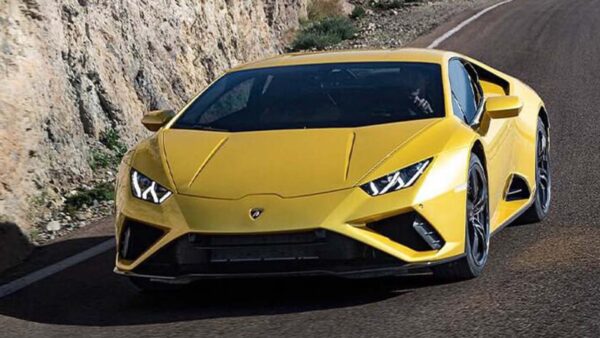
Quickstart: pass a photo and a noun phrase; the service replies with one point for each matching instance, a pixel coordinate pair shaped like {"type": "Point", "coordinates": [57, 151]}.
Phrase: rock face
{"type": "Point", "coordinates": [71, 70]}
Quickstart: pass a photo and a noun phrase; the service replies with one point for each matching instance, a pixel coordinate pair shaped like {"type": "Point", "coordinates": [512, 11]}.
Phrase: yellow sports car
{"type": "Point", "coordinates": [353, 164]}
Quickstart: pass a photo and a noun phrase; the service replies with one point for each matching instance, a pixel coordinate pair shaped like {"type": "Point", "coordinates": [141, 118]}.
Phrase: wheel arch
{"type": "Point", "coordinates": [543, 114]}
{"type": "Point", "coordinates": [477, 149]}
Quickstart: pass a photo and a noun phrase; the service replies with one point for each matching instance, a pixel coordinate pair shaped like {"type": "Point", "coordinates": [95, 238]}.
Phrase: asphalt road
{"type": "Point", "coordinates": [542, 279]}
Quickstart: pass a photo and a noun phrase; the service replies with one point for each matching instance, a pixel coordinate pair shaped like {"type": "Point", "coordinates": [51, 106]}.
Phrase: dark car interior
{"type": "Point", "coordinates": [317, 96]}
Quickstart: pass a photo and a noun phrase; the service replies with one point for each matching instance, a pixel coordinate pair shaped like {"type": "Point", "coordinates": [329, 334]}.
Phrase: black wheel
{"type": "Point", "coordinates": [477, 239]}
{"type": "Point", "coordinates": [543, 182]}
{"type": "Point", "coordinates": [148, 286]}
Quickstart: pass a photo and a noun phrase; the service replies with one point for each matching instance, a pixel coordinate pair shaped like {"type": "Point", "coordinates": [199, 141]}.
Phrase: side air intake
{"type": "Point", "coordinates": [136, 238]}
{"type": "Point", "coordinates": [410, 230]}
{"type": "Point", "coordinates": [517, 189]}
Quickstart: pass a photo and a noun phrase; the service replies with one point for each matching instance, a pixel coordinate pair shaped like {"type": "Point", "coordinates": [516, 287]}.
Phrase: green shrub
{"type": "Point", "coordinates": [388, 4]}
{"type": "Point", "coordinates": [323, 33]}
{"type": "Point", "coordinates": [358, 12]}
{"type": "Point", "coordinates": [39, 200]}
{"type": "Point", "coordinates": [113, 142]}
{"type": "Point", "coordinates": [34, 233]}
{"type": "Point", "coordinates": [101, 159]}
{"type": "Point", "coordinates": [101, 192]}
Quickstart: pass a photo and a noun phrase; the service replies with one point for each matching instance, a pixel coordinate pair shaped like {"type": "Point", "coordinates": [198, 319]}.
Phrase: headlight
{"type": "Point", "coordinates": [146, 189]}
{"type": "Point", "coordinates": [397, 180]}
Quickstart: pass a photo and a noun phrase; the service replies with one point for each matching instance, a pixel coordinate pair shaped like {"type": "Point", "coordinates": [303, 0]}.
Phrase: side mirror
{"type": "Point", "coordinates": [501, 107]}
{"type": "Point", "coordinates": [155, 119]}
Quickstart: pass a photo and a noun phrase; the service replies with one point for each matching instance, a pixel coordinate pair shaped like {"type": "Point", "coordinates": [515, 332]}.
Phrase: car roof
{"type": "Point", "coordinates": [348, 56]}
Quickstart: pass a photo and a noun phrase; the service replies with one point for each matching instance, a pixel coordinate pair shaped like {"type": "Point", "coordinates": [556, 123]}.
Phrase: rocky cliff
{"type": "Point", "coordinates": [72, 70]}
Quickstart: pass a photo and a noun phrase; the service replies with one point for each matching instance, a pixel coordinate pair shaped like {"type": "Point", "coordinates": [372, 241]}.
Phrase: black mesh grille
{"type": "Point", "coordinates": [136, 238]}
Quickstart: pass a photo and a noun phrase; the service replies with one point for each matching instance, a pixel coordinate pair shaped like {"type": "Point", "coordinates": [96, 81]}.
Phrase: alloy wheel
{"type": "Point", "coordinates": [478, 215]}
{"type": "Point", "coordinates": [544, 183]}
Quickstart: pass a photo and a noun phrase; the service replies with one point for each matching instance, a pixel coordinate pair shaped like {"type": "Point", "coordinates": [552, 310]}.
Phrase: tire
{"type": "Point", "coordinates": [543, 179]}
{"type": "Point", "coordinates": [477, 229]}
{"type": "Point", "coordinates": [145, 285]}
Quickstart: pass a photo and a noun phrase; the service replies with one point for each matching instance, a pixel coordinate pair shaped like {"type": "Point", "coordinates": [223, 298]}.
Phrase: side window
{"type": "Point", "coordinates": [230, 102]}
{"type": "Point", "coordinates": [475, 84]}
{"type": "Point", "coordinates": [464, 100]}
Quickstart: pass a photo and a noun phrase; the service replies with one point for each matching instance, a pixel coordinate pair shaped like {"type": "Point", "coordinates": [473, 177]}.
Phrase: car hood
{"type": "Point", "coordinates": [287, 163]}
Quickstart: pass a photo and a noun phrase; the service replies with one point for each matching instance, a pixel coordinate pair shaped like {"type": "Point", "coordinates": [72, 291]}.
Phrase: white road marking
{"type": "Point", "coordinates": [36, 276]}
{"type": "Point", "coordinates": [462, 25]}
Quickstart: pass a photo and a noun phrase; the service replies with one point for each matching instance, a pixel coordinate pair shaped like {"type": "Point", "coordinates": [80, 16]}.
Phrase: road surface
{"type": "Point", "coordinates": [542, 279]}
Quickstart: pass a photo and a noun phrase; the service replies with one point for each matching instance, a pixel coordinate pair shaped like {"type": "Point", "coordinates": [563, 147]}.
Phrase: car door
{"type": "Point", "coordinates": [468, 100]}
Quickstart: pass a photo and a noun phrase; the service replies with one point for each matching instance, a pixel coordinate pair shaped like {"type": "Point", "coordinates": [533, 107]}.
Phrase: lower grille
{"type": "Point", "coordinates": [291, 252]}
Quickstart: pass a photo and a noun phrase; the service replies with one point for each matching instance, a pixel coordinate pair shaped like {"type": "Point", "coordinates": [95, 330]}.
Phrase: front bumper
{"type": "Point", "coordinates": [351, 247]}
{"type": "Point", "coordinates": [412, 269]}
{"type": "Point", "coordinates": [297, 253]}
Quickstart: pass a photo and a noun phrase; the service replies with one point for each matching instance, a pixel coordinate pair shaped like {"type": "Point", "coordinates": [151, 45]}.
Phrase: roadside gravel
{"type": "Point", "coordinates": [393, 28]}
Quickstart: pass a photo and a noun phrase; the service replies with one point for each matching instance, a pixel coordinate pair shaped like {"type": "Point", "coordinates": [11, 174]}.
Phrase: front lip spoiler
{"type": "Point", "coordinates": [410, 269]}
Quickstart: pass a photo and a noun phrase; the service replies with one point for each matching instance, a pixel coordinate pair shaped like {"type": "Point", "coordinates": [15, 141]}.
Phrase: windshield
{"type": "Point", "coordinates": [318, 96]}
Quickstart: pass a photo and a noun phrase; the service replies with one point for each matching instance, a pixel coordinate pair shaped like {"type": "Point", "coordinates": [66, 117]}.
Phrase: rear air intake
{"type": "Point", "coordinates": [136, 238]}
{"type": "Point", "coordinates": [410, 230]}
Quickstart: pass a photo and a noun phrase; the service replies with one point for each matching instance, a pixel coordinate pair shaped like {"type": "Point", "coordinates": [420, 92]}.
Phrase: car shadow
{"type": "Point", "coordinates": [90, 294]}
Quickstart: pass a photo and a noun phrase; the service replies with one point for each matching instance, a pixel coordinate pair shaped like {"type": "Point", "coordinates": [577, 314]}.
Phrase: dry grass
{"type": "Point", "coordinates": [320, 9]}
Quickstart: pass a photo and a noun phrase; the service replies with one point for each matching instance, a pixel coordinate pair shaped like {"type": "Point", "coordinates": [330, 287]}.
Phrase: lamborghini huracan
{"type": "Point", "coordinates": [353, 164]}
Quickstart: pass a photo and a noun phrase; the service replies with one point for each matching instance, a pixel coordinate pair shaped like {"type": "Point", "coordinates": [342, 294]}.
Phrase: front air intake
{"type": "Point", "coordinates": [136, 238]}
{"type": "Point", "coordinates": [410, 230]}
